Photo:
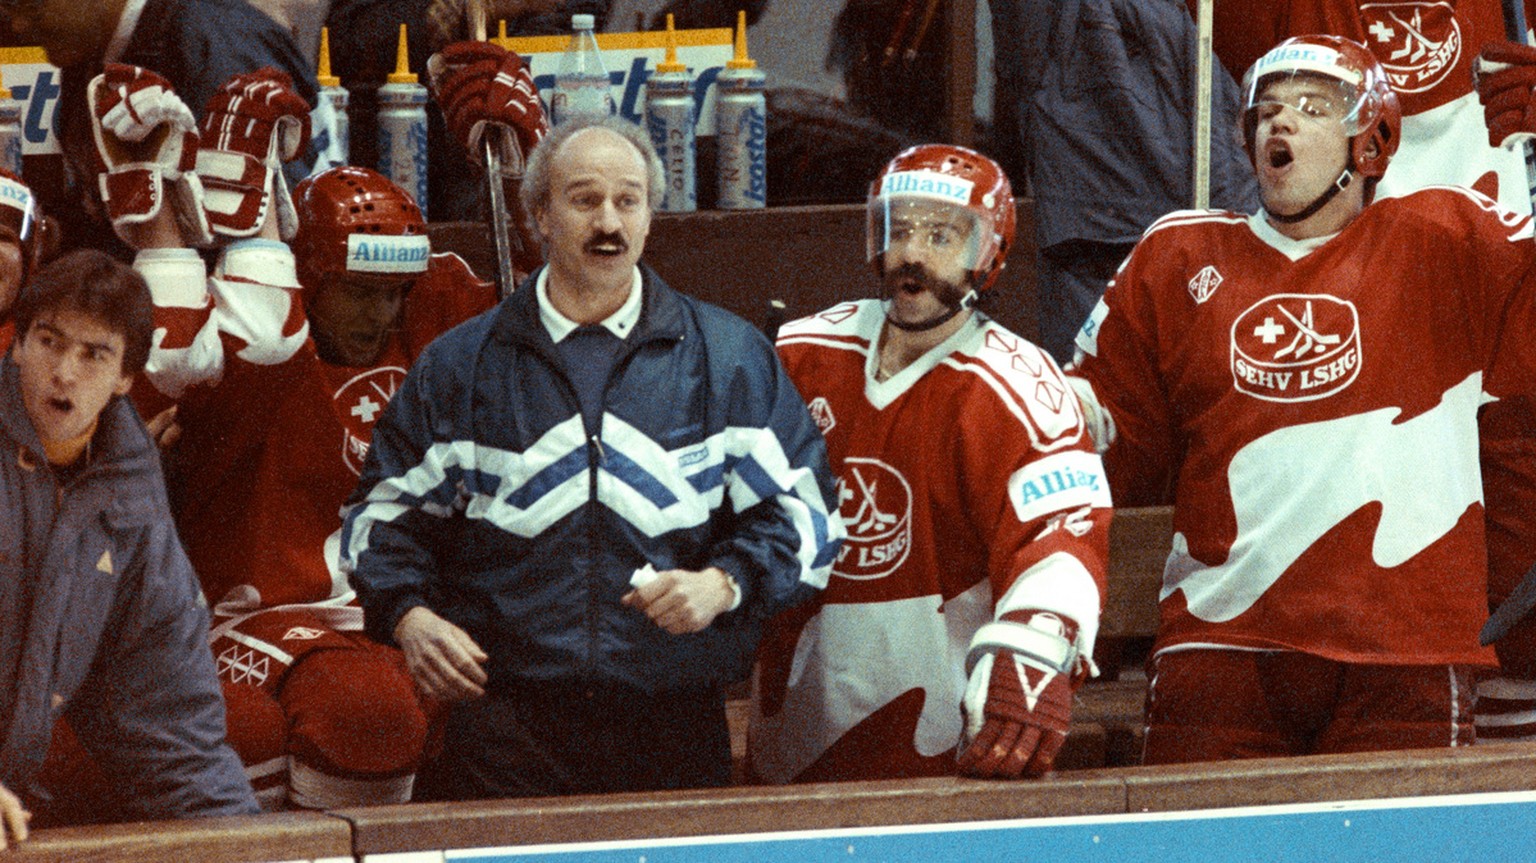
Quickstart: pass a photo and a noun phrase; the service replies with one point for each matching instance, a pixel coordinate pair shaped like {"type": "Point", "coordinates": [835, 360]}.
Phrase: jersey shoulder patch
{"type": "Point", "coordinates": [854, 324]}
{"type": "Point", "coordinates": [1026, 382]}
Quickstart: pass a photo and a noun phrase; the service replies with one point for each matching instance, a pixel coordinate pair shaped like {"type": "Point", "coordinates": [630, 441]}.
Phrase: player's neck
{"type": "Point", "coordinates": [901, 348]}
{"type": "Point", "coordinates": [1334, 217]}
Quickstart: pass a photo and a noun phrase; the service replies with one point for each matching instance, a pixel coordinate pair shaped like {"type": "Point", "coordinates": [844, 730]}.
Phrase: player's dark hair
{"type": "Point", "coordinates": [97, 285]}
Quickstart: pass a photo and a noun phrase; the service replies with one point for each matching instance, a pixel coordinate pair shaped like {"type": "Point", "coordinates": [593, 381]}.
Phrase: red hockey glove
{"type": "Point", "coordinates": [254, 124]}
{"type": "Point", "coordinates": [145, 138]}
{"type": "Point", "coordinates": [1018, 701]}
{"type": "Point", "coordinates": [478, 83]}
{"type": "Point", "coordinates": [1505, 74]}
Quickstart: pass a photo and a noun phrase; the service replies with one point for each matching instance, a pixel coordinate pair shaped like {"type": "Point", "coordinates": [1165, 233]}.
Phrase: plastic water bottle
{"type": "Point", "coordinates": [333, 135]}
{"type": "Point", "coordinates": [741, 129]}
{"type": "Point", "coordinates": [669, 119]}
{"type": "Point", "coordinates": [403, 128]}
{"type": "Point", "coordinates": [10, 132]}
{"type": "Point", "coordinates": [582, 87]}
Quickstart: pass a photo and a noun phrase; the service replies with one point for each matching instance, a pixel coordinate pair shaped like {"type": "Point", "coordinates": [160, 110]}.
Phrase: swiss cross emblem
{"type": "Point", "coordinates": [1204, 284]}
{"type": "Point", "coordinates": [1418, 42]}
{"type": "Point", "coordinates": [358, 403]}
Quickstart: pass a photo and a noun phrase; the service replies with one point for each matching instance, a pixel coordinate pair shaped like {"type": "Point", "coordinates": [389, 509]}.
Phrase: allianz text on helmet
{"type": "Point", "coordinates": [354, 220]}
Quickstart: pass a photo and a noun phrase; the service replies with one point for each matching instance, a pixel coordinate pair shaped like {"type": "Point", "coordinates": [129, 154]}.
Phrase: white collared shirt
{"type": "Point", "coordinates": [621, 323]}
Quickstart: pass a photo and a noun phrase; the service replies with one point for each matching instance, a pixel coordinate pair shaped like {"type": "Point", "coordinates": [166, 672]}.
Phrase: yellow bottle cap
{"type": "Point", "coordinates": [402, 73]}
{"type": "Point", "coordinates": [324, 76]}
{"type": "Point", "coordinates": [670, 65]}
{"type": "Point", "coordinates": [741, 60]}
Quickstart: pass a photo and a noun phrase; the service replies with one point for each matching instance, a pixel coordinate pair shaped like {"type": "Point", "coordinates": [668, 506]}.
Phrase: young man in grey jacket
{"type": "Point", "coordinates": [100, 623]}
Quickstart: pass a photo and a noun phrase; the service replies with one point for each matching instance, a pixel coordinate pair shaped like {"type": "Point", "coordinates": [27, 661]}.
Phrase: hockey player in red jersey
{"type": "Point", "coordinates": [964, 605]}
{"type": "Point", "coordinates": [1306, 382]}
{"type": "Point", "coordinates": [1506, 707]}
{"type": "Point", "coordinates": [278, 387]}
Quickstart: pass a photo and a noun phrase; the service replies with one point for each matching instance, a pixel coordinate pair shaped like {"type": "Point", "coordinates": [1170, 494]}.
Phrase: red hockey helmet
{"type": "Point", "coordinates": [1365, 101]}
{"type": "Point", "coordinates": [961, 178]}
{"type": "Point", "coordinates": [353, 220]}
{"type": "Point", "coordinates": [21, 220]}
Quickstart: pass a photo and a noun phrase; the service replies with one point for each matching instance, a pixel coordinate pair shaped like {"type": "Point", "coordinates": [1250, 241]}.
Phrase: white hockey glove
{"type": "Point", "coordinates": [1018, 701]}
{"type": "Point", "coordinates": [146, 139]}
{"type": "Point", "coordinates": [254, 124]}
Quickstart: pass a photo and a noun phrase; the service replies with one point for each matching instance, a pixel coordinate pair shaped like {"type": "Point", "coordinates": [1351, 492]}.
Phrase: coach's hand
{"type": "Point", "coordinates": [443, 660]}
{"type": "Point", "coordinates": [682, 601]}
{"type": "Point", "coordinates": [13, 817]}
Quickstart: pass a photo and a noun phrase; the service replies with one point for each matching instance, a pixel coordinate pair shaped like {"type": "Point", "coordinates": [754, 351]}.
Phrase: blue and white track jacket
{"type": "Point", "coordinates": [484, 499]}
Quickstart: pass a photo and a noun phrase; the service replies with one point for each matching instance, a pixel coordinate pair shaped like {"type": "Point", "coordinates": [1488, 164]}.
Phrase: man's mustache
{"type": "Point", "coordinates": [611, 238]}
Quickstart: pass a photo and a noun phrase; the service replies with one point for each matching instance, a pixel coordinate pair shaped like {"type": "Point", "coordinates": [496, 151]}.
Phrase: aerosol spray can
{"type": "Point", "coordinates": [669, 118]}
{"type": "Point", "coordinates": [741, 129]}
{"type": "Point", "coordinates": [333, 131]}
{"type": "Point", "coordinates": [10, 132]}
{"type": "Point", "coordinates": [582, 86]}
{"type": "Point", "coordinates": [403, 128]}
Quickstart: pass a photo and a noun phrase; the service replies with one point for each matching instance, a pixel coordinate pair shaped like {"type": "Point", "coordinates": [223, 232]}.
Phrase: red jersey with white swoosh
{"type": "Point", "coordinates": [274, 437]}
{"type": "Point", "coordinates": [968, 488]}
{"type": "Point", "coordinates": [1313, 405]}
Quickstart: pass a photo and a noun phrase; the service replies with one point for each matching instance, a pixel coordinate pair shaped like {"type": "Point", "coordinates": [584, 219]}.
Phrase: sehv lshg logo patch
{"type": "Point", "coordinates": [1417, 43]}
{"type": "Point", "coordinates": [1296, 347]}
{"type": "Point", "coordinates": [875, 502]}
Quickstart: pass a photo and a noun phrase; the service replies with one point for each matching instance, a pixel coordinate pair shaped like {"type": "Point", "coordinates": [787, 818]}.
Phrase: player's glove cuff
{"type": "Point", "coordinates": [238, 190]}
{"type": "Point", "coordinates": [1030, 644]}
{"type": "Point", "coordinates": [160, 152]}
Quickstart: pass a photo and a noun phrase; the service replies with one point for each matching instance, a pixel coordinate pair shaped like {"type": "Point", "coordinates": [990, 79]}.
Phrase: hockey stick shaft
{"type": "Point", "coordinates": [496, 199]}
{"type": "Point", "coordinates": [1201, 178]}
